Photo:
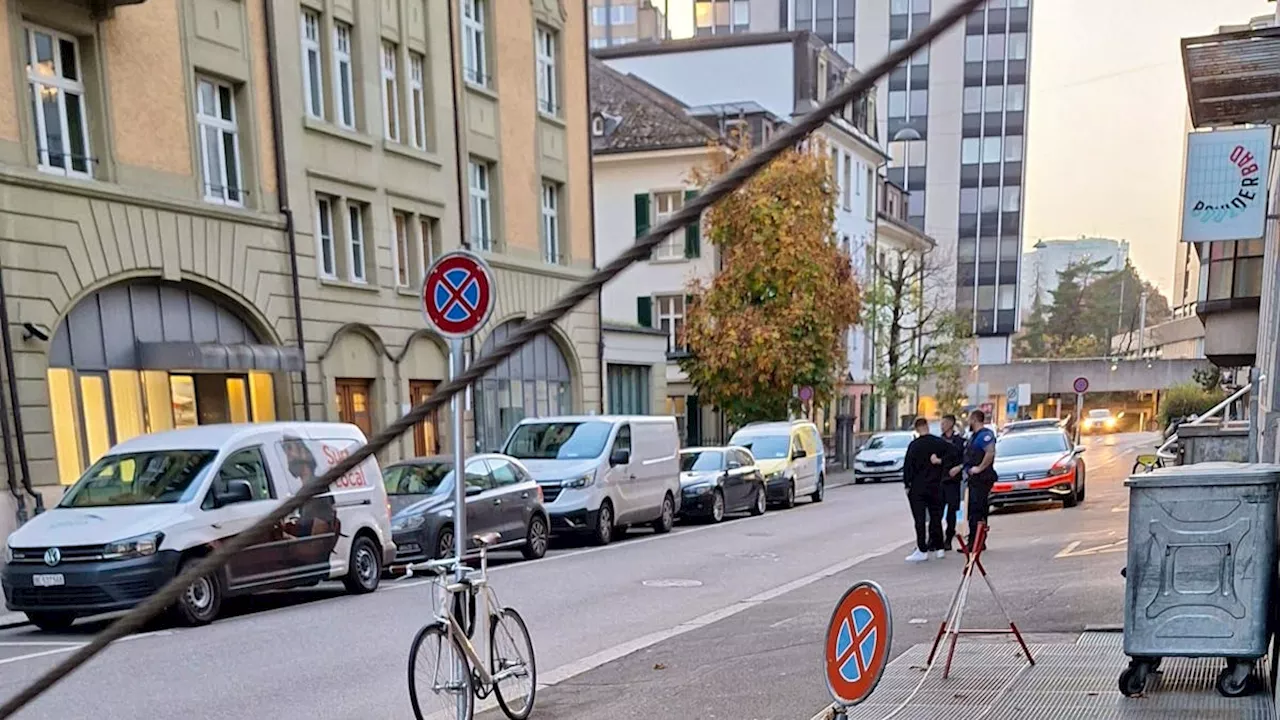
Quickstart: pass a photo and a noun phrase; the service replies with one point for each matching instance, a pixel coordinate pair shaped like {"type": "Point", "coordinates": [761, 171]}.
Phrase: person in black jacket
{"type": "Point", "coordinates": [922, 475]}
{"type": "Point", "coordinates": [951, 494]}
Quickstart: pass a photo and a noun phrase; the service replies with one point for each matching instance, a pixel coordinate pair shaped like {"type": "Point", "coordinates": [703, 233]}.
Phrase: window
{"type": "Point", "coordinates": [917, 152]}
{"type": "Point", "coordinates": [969, 200]}
{"type": "Point", "coordinates": [417, 101]}
{"type": "Point", "coordinates": [973, 51]}
{"type": "Point", "coordinates": [671, 320]}
{"type": "Point", "coordinates": [247, 465]}
{"type": "Point", "coordinates": [1017, 98]}
{"type": "Point", "coordinates": [426, 434]}
{"type": "Point", "coordinates": [597, 126]}
{"type": "Point", "coordinates": [848, 177]}
{"type": "Point", "coordinates": [504, 473]}
{"type": "Point", "coordinates": [1017, 46]}
{"type": "Point", "coordinates": [702, 14]}
{"type": "Point", "coordinates": [400, 247]}
{"type": "Point", "coordinates": [898, 103]}
{"type": "Point", "coordinates": [344, 86]}
{"type": "Point", "coordinates": [1013, 148]}
{"type": "Point", "coordinates": [871, 193]}
{"type": "Point", "coordinates": [599, 42]}
{"type": "Point", "coordinates": [353, 403]}
{"type": "Point", "coordinates": [624, 14]}
{"type": "Point", "coordinates": [990, 199]}
{"type": "Point", "coordinates": [994, 98]}
{"type": "Point", "coordinates": [991, 149]}
{"type": "Point", "coordinates": [915, 204]}
{"type": "Point", "coordinates": [426, 246]}
{"type": "Point", "coordinates": [972, 100]}
{"type": "Point", "coordinates": [546, 52]}
{"type": "Point", "coordinates": [599, 16]}
{"type": "Point", "coordinates": [219, 142]}
{"type": "Point", "coordinates": [970, 151]}
{"type": "Point", "coordinates": [741, 12]}
{"type": "Point", "coordinates": [58, 103]}
{"type": "Point", "coordinates": [995, 46]}
{"type": "Point", "coordinates": [919, 103]}
{"type": "Point", "coordinates": [628, 389]}
{"type": "Point", "coordinates": [1011, 199]}
{"type": "Point", "coordinates": [324, 236]}
{"type": "Point", "coordinates": [390, 93]}
{"type": "Point", "coordinates": [551, 223]}
{"type": "Point", "coordinates": [664, 204]}
{"type": "Point", "coordinates": [897, 7]}
{"type": "Point", "coordinates": [312, 72]}
{"type": "Point", "coordinates": [474, 62]}
{"type": "Point", "coordinates": [481, 227]}
{"type": "Point", "coordinates": [1007, 297]}
{"type": "Point", "coordinates": [356, 246]}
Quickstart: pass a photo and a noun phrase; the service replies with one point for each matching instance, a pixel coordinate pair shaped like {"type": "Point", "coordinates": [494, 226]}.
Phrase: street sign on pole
{"type": "Point", "coordinates": [1011, 403]}
{"type": "Point", "coordinates": [806, 394]}
{"type": "Point", "coordinates": [1080, 385]}
{"type": "Point", "coordinates": [457, 300]}
{"type": "Point", "coordinates": [857, 645]}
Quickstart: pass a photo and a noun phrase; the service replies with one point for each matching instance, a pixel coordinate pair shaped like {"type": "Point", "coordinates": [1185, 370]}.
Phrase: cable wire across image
{"type": "Point", "coordinates": [692, 210]}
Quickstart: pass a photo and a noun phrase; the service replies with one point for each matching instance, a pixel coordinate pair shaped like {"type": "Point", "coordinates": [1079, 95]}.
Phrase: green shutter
{"type": "Point", "coordinates": [642, 213]}
{"type": "Point", "coordinates": [693, 232]}
{"type": "Point", "coordinates": [644, 310]}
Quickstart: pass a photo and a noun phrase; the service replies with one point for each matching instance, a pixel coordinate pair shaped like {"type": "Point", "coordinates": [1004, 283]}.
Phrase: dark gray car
{"type": "Point", "coordinates": [502, 498]}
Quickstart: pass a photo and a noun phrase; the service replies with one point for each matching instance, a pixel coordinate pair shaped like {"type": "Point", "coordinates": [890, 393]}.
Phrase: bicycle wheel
{"type": "Point", "coordinates": [511, 649]}
{"type": "Point", "coordinates": [435, 685]}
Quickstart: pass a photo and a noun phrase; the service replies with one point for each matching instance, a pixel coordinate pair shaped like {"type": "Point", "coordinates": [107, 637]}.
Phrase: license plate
{"type": "Point", "coordinates": [1022, 485]}
{"type": "Point", "coordinates": [51, 580]}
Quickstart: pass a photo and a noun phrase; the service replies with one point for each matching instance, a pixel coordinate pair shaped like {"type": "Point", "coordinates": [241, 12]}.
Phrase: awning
{"type": "Point", "coordinates": [218, 357]}
{"type": "Point", "coordinates": [1233, 78]}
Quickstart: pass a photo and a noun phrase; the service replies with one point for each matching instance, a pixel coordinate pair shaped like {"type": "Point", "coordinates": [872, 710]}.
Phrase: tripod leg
{"type": "Point", "coordinates": [959, 616]}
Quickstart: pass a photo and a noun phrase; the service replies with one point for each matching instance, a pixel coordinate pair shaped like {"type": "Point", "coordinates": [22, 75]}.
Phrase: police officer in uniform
{"type": "Point", "coordinates": [979, 457]}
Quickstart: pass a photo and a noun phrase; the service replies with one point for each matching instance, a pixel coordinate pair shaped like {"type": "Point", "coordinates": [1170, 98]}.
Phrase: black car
{"type": "Point", "coordinates": [502, 497]}
{"type": "Point", "coordinates": [716, 481]}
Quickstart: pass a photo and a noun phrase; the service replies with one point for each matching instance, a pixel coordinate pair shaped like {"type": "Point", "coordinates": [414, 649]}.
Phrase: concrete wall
{"type": "Point", "coordinates": [1058, 376]}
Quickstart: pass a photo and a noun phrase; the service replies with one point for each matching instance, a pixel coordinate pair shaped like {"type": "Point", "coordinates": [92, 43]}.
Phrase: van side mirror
{"type": "Point", "coordinates": [1080, 449]}
{"type": "Point", "coordinates": [620, 457]}
{"type": "Point", "coordinates": [799, 453]}
{"type": "Point", "coordinates": [237, 491]}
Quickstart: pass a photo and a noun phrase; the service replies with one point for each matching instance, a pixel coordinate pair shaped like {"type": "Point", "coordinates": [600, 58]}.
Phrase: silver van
{"type": "Point", "coordinates": [600, 472]}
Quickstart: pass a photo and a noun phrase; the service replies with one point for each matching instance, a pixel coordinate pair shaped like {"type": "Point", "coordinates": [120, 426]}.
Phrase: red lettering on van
{"type": "Point", "coordinates": [353, 479]}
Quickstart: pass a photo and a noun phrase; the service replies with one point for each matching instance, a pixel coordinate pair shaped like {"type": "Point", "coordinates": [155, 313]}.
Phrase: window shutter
{"type": "Point", "coordinates": [692, 232]}
{"type": "Point", "coordinates": [644, 310]}
{"type": "Point", "coordinates": [642, 213]}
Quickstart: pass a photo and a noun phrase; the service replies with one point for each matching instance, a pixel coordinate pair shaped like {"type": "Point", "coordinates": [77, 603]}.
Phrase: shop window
{"type": "Point", "coordinates": [535, 382]}
{"type": "Point", "coordinates": [237, 400]}
{"type": "Point", "coordinates": [182, 389]}
{"type": "Point", "coordinates": [126, 404]}
{"type": "Point", "coordinates": [262, 396]}
{"type": "Point", "coordinates": [353, 403]}
{"type": "Point", "coordinates": [426, 434]}
{"type": "Point", "coordinates": [66, 424]}
{"type": "Point", "coordinates": [159, 400]}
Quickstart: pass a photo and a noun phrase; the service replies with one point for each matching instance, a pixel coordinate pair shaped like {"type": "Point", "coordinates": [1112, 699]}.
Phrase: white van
{"type": "Point", "coordinates": [603, 472]}
{"type": "Point", "coordinates": [158, 502]}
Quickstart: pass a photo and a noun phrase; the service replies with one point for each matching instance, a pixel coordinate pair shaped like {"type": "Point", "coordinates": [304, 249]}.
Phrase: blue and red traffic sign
{"type": "Point", "coordinates": [1080, 385]}
{"type": "Point", "coordinates": [857, 643]}
{"type": "Point", "coordinates": [457, 296]}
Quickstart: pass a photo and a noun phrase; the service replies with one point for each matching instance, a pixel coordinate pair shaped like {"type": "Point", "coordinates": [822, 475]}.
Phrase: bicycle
{"type": "Point", "coordinates": [1147, 463]}
{"type": "Point", "coordinates": [458, 676]}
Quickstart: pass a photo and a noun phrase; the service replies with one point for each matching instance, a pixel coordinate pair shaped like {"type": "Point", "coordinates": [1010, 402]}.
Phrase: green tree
{"type": "Point", "coordinates": [775, 317]}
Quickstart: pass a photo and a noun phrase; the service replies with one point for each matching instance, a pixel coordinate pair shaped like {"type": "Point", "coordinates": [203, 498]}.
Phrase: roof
{"type": "Point", "coordinates": [744, 107]}
{"type": "Point", "coordinates": [705, 42]}
{"type": "Point", "coordinates": [1233, 78]}
{"type": "Point", "coordinates": [213, 437]}
{"type": "Point", "coordinates": [639, 116]}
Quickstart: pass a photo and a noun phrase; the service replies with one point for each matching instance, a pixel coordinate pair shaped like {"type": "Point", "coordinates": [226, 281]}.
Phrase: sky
{"type": "Point", "coordinates": [1107, 115]}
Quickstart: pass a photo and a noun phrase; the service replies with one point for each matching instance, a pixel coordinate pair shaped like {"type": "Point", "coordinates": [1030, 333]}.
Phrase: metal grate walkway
{"type": "Point", "coordinates": [1071, 681]}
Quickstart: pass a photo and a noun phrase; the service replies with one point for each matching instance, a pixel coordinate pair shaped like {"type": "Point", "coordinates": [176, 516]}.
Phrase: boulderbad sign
{"type": "Point", "coordinates": [1225, 196]}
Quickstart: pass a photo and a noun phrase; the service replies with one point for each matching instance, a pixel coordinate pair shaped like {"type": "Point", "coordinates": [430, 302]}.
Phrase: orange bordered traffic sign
{"type": "Point", "coordinates": [857, 643]}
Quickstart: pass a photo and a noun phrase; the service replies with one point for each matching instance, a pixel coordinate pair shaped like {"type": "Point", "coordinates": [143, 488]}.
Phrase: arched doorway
{"type": "Point", "coordinates": [146, 356]}
{"type": "Point", "coordinates": [535, 382]}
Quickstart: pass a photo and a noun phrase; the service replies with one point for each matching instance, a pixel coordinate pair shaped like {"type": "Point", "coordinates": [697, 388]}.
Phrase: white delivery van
{"type": "Point", "coordinates": [157, 502]}
{"type": "Point", "coordinates": [601, 472]}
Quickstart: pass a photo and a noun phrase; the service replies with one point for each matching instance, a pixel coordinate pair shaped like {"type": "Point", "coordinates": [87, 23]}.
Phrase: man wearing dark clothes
{"type": "Point", "coordinates": [951, 483]}
{"type": "Point", "coordinates": [923, 478]}
{"type": "Point", "coordinates": [979, 459]}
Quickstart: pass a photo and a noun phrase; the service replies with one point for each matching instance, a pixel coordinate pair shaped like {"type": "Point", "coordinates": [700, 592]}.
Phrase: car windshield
{"type": "Point", "coordinates": [416, 478]}
{"type": "Point", "coordinates": [701, 460]}
{"type": "Point", "coordinates": [145, 478]}
{"type": "Point", "coordinates": [1099, 413]}
{"type": "Point", "coordinates": [889, 442]}
{"type": "Point", "coordinates": [558, 440]}
{"type": "Point", "coordinates": [1031, 444]}
{"type": "Point", "coordinates": [765, 447]}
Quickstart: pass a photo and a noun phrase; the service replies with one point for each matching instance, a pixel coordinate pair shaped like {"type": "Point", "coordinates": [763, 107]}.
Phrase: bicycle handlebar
{"type": "Point", "coordinates": [431, 567]}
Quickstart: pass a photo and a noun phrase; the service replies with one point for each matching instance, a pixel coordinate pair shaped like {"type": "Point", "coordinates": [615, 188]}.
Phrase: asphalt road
{"type": "Point", "coordinates": [736, 635]}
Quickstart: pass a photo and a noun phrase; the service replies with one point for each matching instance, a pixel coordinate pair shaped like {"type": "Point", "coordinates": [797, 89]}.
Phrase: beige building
{"type": "Point", "coordinates": [622, 22]}
{"type": "Point", "coordinates": [151, 192]}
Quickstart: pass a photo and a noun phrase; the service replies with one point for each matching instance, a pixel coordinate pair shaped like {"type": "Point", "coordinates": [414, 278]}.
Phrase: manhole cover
{"type": "Point", "coordinates": [752, 556]}
{"type": "Point", "coordinates": [672, 583]}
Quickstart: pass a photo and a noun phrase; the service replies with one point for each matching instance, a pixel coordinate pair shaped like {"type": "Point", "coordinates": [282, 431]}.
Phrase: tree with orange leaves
{"type": "Point", "coordinates": [776, 315]}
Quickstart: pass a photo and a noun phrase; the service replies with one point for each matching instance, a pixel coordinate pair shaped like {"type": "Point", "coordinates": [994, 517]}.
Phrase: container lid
{"type": "Point", "coordinates": [1210, 473]}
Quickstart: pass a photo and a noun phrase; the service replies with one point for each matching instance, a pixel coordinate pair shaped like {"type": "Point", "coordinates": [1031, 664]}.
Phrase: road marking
{"type": "Point", "coordinates": [1072, 549]}
{"type": "Point", "coordinates": [69, 646]}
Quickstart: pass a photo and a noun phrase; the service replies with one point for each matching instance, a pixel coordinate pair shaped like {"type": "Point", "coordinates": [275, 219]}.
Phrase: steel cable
{"type": "Point", "coordinates": [641, 250]}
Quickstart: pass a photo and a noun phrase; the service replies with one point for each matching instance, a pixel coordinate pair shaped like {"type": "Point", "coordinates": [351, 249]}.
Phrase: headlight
{"type": "Point", "coordinates": [411, 522]}
{"type": "Point", "coordinates": [580, 482]}
{"type": "Point", "coordinates": [8, 554]}
{"type": "Point", "coordinates": [699, 488]}
{"type": "Point", "coordinates": [140, 546]}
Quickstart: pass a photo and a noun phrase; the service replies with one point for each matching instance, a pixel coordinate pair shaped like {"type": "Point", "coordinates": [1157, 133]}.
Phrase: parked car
{"type": "Point", "coordinates": [1030, 425]}
{"type": "Point", "coordinates": [157, 503]}
{"type": "Point", "coordinates": [716, 481]}
{"type": "Point", "coordinates": [599, 473]}
{"type": "Point", "coordinates": [502, 498]}
{"type": "Point", "coordinates": [1099, 420]}
{"type": "Point", "coordinates": [791, 457]}
{"type": "Point", "coordinates": [881, 458]}
{"type": "Point", "coordinates": [1037, 467]}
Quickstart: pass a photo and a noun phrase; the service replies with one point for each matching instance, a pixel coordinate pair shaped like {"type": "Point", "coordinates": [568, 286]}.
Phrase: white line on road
{"type": "Point", "coordinates": [68, 646]}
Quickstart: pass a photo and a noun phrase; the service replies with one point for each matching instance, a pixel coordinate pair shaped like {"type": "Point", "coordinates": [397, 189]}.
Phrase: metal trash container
{"type": "Point", "coordinates": [1201, 562]}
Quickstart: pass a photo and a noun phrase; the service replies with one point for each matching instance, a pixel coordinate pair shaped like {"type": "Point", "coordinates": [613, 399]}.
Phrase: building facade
{"type": "Point", "coordinates": [1046, 258]}
{"type": "Point", "coordinates": [229, 222]}
{"type": "Point", "coordinates": [622, 22]}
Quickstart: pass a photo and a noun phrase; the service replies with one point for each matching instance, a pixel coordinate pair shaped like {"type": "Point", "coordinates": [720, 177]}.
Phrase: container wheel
{"type": "Point", "coordinates": [1235, 680]}
{"type": "Point", "coordinates": [1133, 681]}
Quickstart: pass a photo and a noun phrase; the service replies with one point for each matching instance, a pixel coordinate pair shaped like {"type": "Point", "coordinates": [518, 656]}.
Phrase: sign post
{"type": "Point", "coordinates": [1011, 404]}
{"type": "Point", "coordinates": [856, 650]}
{"type": "Point", "coordinates": [1081, 386]}
{"type": "Point", "coordinates": [457, 299]}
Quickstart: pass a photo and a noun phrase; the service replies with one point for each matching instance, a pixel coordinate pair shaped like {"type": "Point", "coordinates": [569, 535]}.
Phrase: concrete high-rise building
{"type": "Point", "coordinates": [1042, 263]}
{"type": "Point", "coordinates": [955, 117]}
{"type": "Point", "coordinates": [622, 22]}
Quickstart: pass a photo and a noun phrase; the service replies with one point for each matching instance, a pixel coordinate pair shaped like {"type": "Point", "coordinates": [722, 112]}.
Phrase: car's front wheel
{"type": "Point", "coordinates": [364, 570]}
{"type": "Point", "coordinates": [201, 602]}
{"type": "Point", "coordinates": [603, 534]}
{"type": "Point", "coordinates": [717, 506]}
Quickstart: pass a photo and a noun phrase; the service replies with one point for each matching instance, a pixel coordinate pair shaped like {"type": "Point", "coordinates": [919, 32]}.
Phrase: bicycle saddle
{"type": "Point", "coordinates": [485, 539]}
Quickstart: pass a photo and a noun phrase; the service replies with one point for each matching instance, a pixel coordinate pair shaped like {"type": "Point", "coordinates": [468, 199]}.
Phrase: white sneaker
{"type": "Point", "coordinates": [940, 553]}
{"type": "Point", "coordinates": [917, 556]}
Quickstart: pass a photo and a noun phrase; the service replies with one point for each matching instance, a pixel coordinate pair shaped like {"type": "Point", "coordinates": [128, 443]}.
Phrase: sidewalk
{"type": "Point", "coordinates": [12, 619]}
{"type": "Point", "coordinates": [1072, 678]}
